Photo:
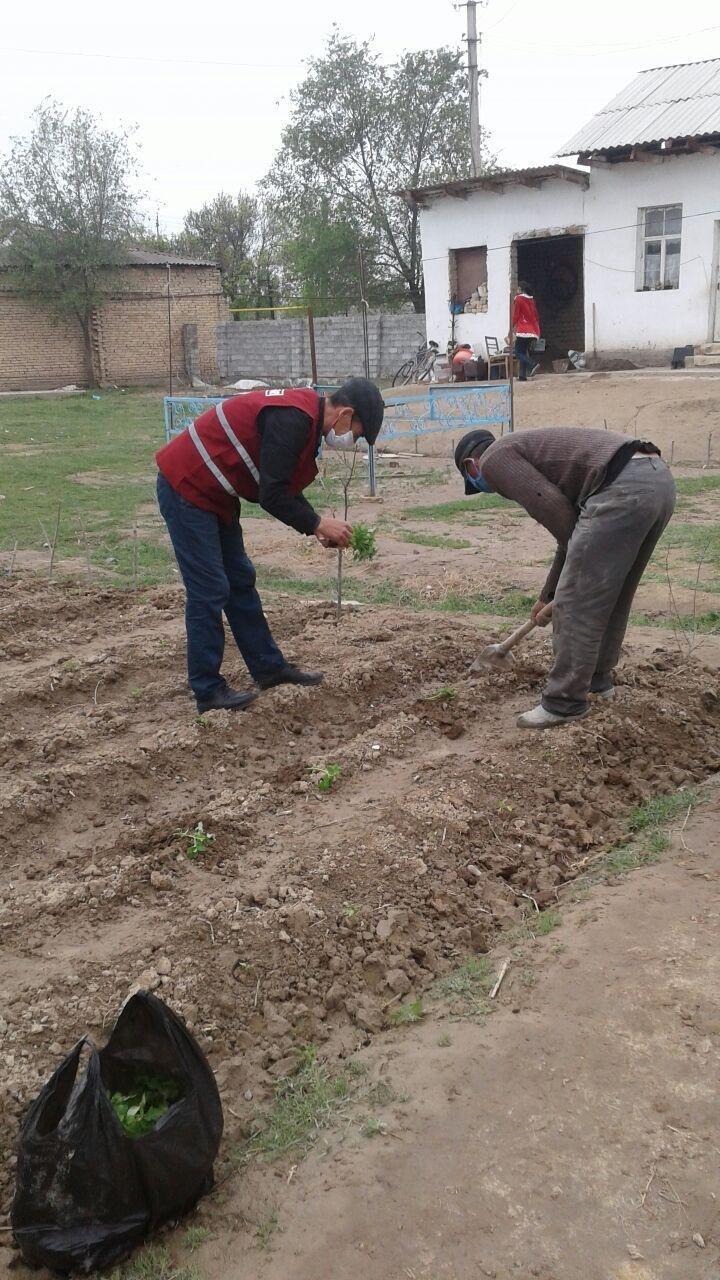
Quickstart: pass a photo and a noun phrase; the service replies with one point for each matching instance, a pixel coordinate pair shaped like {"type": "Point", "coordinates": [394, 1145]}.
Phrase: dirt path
{"type": "Point", "coordinates": [575, 1133]}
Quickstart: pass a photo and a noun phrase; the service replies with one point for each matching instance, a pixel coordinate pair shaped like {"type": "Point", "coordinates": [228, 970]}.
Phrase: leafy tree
{"type": "Point", "coordinates": [68, 212]}
{"type": "Point", "coordinates": [360, 133]}
{"type": "Point", "coordinates": [225, 230]}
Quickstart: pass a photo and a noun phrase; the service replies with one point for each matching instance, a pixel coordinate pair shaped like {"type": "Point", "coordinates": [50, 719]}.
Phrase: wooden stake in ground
{"type": "Point", "coordinates": [349, 473]}
{"type": "Point", "coordinates": [135, 556]}
{"type": "Point", "coordinates": [499, 980]}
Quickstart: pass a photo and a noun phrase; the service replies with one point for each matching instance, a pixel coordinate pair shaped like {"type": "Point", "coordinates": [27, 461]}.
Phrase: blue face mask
{"type": "Point", "coordinates": [478, 484]}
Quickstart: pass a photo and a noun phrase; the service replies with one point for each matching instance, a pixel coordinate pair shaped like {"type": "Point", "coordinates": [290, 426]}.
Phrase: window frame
{"type": "Point", "coordinates": [453, 269]}
{"type": "Point", "coordinates": [663, 239]}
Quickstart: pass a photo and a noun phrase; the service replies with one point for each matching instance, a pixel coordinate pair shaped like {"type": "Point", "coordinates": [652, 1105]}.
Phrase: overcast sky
{"type": "Point", "coordinates": [207, 83]}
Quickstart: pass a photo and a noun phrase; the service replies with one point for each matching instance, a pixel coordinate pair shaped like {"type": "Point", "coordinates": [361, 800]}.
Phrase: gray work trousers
{"type": "Point", "coordinates": [615, 535]}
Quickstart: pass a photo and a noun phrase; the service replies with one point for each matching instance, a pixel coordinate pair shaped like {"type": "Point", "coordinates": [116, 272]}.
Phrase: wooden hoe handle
{"type": "Point", "coordinates": [521, 632]}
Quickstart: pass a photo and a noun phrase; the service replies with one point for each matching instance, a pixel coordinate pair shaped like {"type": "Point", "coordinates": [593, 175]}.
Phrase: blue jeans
{"type": "Point", "coordinates": [219, 578]}
{"type": "Point", "coordinates": [523, 351]}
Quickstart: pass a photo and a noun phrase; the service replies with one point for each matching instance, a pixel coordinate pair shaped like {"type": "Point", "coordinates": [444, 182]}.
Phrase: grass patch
{"type": "Point", "coordinates": [405, 1014]}
{"type": "Point", "coordinates": [702, 541]}
{"type": "Point", "coordinates": [95, 458]}
{"type": "Point", "coordinates": [536, 924]}
{"type": "Point", "coordinates": [661, 810]}
{"type": "Point", "coordinates": [195, 1237]}
{"type": "Point", "coordinates": [509, 604]}
{"type": "Point", "coordinates": [305, 1104]}
{"type": "Point", "coordinates": [465, 508]}
{"type": "Point", "coordinates": [153, 1263]}
{"type": "Point", "coordinates": [545, 921]}
{"type": "Point", "coordinates": [266, 1229]}
{"type": "Point", "coordinates": [373, 1127]}
{"type": "Point", "coordinates": [702, 624]}
{"type": "Point", "coordinates": [468, 987]}
{"type": "Point", "coordinates": [433, 540]}
{"type": "Point", "coordinates": [647, 825]}
{"type": "Point", "coordinates": [689, 486]}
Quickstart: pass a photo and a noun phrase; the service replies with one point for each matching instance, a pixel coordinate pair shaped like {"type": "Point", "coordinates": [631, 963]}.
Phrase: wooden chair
{"type": "Point", "coordinates": [497, 359]}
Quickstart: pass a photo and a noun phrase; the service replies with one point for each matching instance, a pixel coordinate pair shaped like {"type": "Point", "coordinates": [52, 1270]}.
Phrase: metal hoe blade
{"type": "Point", "coordinates": [494, 657]}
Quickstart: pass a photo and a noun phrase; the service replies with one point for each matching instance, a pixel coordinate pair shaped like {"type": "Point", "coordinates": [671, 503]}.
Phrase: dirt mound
{"type": "Point", "coordinates": [310, 914]}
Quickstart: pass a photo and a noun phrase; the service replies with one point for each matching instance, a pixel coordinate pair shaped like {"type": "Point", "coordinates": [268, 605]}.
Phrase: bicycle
{"type": "Point", "coordinates": [421, 368]}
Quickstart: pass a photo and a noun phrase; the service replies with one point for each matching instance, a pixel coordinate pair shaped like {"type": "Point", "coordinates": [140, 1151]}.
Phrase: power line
{"type": "Point", "coordinates": [598, 231]}
{"type": "Point", "coordinates": [603, 50]}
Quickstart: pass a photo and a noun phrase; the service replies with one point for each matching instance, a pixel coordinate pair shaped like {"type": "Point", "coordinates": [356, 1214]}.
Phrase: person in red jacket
{"type": "Point", "coordinates": [526, 328]}
{"type": "Point", "coordinates": [263, 447]}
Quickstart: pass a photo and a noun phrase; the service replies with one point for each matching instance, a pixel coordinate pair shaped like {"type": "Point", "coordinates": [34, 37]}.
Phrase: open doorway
{"type": "Point", "coordinates": [553, 267]}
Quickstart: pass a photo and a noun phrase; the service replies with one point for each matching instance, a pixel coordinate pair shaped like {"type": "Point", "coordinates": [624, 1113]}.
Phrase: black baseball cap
{"type": "Point", "coordinates": [366, 402]}
{"type": "Point", "coordinates": [473, 443]}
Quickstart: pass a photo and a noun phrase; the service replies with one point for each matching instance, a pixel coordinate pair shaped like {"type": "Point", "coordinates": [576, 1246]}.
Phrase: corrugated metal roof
{"type": "Point", "coordinates": [659, 105]}
{"type": "Point", "coordinates": [149, 258]}
{"type": "Point", "coordinates": [499, 178]}
{"type": "Point", "coordinates": [139, 258]}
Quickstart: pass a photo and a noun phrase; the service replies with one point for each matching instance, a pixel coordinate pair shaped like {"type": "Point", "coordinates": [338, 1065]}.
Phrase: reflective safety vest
{"type": "Point", "coordinates": [215, 460]}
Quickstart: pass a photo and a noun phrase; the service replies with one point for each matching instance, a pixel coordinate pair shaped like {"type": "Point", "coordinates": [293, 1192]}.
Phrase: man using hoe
{"type": "Point", "coordinates": [606, 500]}
{"type": "Point", "coordinates": [261, 447]}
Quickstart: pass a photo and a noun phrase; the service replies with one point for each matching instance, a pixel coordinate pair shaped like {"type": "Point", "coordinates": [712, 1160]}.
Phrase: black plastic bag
{"type": "Point", "coordinates": [86, 1192]}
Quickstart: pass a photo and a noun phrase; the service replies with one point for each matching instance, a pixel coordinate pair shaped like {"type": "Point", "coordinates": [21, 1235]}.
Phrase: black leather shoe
{"type": "Point", "coordinates": [290, 675]}
{"type": "Point", "coordinates": [226, 700]}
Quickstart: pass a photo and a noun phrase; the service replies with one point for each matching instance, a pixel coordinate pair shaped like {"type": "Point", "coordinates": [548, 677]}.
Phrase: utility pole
{"type": "Point", "coordinates": [474, 86]}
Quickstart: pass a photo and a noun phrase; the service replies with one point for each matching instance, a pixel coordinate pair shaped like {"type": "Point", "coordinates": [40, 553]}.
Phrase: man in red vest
{"type": "Point", "coordinates": [263, 447]}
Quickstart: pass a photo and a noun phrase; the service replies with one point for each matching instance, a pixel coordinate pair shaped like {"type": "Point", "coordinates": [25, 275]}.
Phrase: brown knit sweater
{"type": "Point", "coordinates": [550, 472]}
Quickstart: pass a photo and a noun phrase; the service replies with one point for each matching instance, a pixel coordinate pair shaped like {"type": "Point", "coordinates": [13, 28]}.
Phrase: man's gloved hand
{"type": "Point", "coordinates": [333, 533]}
{"type": "Point", "coordinates": [541, 613]}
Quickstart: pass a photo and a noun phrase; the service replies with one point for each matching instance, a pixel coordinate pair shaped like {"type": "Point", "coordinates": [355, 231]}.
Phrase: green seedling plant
{"type": "Point", "coordinates": [325, 778]}
{"type": "Point", "coordinates": [363, 543]}
{"type": "Point", "coordinates": [198, 841]}
{"type": "Point", "coordinates": [139, 1108]}
{"type": "Point", "coordinates": [446, 693]}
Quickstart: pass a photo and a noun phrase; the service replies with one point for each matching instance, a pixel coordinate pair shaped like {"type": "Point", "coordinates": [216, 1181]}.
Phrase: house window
{"type": "Point", "coordinates": [468, 279]}
{"type": "Point", "coordinates": [659, 232]}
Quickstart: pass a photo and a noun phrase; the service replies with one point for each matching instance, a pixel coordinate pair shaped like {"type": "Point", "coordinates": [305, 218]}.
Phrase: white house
{"type": "Point", "coordinates": [623, 254]}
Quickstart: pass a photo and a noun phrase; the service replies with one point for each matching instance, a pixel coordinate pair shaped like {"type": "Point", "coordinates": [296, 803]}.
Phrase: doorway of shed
{"type": "Point", "coordinates": [553, 267]}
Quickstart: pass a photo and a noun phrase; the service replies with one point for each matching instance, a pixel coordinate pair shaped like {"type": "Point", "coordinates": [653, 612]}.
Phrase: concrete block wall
{"type": "Point", "coordinates": [281, 348]}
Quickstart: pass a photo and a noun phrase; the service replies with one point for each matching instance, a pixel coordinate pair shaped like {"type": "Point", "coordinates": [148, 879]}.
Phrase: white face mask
{"type": "Point", "coordinates": [347, 441]}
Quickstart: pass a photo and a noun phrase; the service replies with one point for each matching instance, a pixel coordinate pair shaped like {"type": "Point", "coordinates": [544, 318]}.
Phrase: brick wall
{"type": "Point", "coordinates": [38, 350]}
{"type": "Point", "coordinates": [281, 349]}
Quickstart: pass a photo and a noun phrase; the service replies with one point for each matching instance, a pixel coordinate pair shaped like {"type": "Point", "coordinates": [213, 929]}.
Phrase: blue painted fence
{"type": "Point", "coordinates": [455, 407]}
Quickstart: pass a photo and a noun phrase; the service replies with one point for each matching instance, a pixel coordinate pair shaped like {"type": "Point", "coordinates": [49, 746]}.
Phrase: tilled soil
{"type": "Point", "coordinates": [310, 915]}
